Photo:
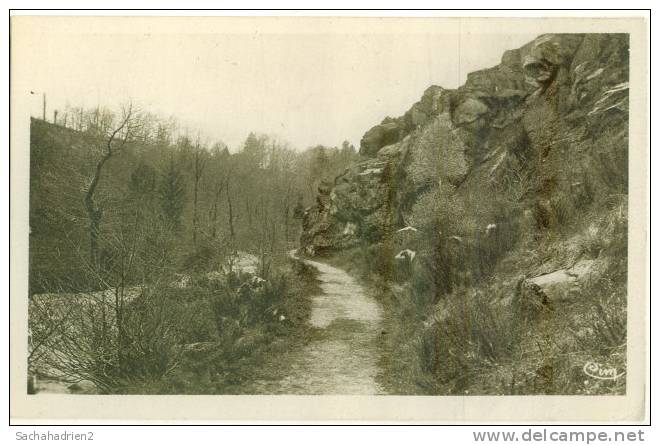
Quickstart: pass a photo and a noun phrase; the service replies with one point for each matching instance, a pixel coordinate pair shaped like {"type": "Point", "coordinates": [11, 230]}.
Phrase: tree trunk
{"type": "Point", "coordinates": [286, 223]}
{"type": "Point", "coordinates": [287, 205]}
{"type": "Point", "coordinates": [214, 214]}
{"type": "Point", "coordinates": [94, 229]}
{"type": "Point", "coordinates": [199, 170]}
{"type": "Point", "coordinates": [231, 214]}
{"type": "Point", "coordinates": [195, 216]}
{"type": "Point", "coordinates": [94, 214]}
{"type": "Point", "coordinates": [214, 219]}
{"type": "Point", "coordinates": [248, 211]}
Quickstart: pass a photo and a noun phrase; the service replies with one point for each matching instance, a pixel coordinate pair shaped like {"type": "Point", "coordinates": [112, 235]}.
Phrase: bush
{"type": "Point", "coordinates": [472, 334]}
{"type": "Point", "coordinates": [246, 315]}
{"type": "Point", "coordinates": [205, 257]}
{"type": "Point", "coordinates": [461, 238]}
{"type": "Point", "coordinates": [89, 337]}
{"type": "Point", "coordinates": [191, 309]}
{"type": "Point", "coordinates": [150, 348]}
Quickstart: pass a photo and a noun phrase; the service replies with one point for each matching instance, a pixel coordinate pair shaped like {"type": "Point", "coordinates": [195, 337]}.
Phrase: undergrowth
{"type": "Point", "coordinates": [475, 340]}
{"type": "Point", "coordinates": [227, 325]}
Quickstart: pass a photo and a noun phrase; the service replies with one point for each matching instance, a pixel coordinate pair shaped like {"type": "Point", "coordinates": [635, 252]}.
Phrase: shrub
{"type": "Point", "coordinates": [604, 327]}
{"type": "Point", "coordinates": [203, 258]}
{"type": "Point", "coordinates": [150, 348]}
{"type": "Point", "coordinates": [191, 309]}
{"type": "Point", "coordinates": [472, 334]}
{"type": "Point", "coordinates": [89, 337]}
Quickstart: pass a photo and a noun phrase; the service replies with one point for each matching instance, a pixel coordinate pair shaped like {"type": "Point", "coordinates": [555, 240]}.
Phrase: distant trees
{"type": "Point", "coordinates": [318, 168]}
{"type": "Point", "coordinates": [143, 181]}
{"type": "Point", "coordinates": [172, 195]}
{"type": "Point", "coordinates": [219, 166]}
{"type": "Point", "coordinates": [322, 163]}
{"type": "Point", "coordinates": [174, 190]}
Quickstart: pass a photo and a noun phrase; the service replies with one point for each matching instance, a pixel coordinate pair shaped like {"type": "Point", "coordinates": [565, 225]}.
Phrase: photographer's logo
{"type": "Point", "coordinates": [601, 372]}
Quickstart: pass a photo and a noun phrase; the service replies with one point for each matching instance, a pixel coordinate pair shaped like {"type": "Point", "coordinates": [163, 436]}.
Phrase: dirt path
{"type": "Point", "coordinates": [342, 355]}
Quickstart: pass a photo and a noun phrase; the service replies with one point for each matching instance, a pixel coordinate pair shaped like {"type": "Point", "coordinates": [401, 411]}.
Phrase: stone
{"type": "Point", "coordinates": [379, 136]}
{"type": "Point", "coordinates": [469, 111]}
{"type": "Point", "coordinates": [405, 255]}
{"type": "Point", "coordinates": [562, 285]}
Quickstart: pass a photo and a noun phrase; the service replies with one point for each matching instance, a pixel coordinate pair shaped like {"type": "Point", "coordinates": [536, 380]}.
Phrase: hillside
{"type": "Point", "coordinates": [492, 219]}
{"type": "Point", "coordinates": [250, 200]}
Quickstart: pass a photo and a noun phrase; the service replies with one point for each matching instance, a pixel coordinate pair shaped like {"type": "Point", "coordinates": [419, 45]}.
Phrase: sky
{"type": "Point", "coordinates": [304, 81]}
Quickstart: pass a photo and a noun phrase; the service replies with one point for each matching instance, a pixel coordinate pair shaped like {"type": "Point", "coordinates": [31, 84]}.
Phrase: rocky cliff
{"type": "Point", "coordinates": [535, 141]}
{"type": "Point", "coordinates": [486, 205]}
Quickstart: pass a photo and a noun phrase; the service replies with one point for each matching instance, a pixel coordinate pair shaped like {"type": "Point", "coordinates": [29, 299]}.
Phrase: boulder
{"type": "Point", "coordinates": [434, 101]}
{"type": "Point", "coordinates": [469, 111]}
{"type": "Point", "coordinates": [388, 132]}
{"type": "Point", "coordinates": [556, 287]}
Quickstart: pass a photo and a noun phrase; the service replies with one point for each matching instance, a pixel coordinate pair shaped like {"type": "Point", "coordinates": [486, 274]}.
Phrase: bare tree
{"type": "Point", "coordinates": [111, 145]}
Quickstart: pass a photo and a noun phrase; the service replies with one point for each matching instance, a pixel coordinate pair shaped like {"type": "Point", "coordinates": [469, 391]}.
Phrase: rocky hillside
{"type": "Point", "coordinates": [514, 184]}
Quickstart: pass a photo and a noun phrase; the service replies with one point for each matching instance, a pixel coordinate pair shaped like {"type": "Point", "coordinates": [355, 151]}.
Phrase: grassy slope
{"type": "Point", "coordinates": [477, 340]}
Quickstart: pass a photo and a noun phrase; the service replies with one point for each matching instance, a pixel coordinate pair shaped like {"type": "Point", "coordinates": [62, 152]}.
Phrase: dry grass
{"type": "Point", "coordinates": [473, 341]}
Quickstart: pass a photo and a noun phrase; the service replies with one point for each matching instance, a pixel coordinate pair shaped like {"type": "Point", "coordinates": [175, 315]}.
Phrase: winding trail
{"type": "Point", "coordinates": [342, 356]}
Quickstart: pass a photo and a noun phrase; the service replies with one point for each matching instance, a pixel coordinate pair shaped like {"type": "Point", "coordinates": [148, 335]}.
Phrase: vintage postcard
{"type": "Point", "coordinates": [329, 219]}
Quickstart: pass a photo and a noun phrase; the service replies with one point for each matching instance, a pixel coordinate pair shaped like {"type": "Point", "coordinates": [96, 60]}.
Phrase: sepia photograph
{"type": "Point", "coordinates": [329, 206]}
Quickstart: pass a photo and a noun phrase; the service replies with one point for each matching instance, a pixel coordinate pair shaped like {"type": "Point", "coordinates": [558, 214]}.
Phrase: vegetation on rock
{"type": "Point", "coordinates": [516, 187]}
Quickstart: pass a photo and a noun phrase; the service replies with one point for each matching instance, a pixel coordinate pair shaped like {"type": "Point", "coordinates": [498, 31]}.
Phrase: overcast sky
{"type": "Point", "coordinates": [311, 82]}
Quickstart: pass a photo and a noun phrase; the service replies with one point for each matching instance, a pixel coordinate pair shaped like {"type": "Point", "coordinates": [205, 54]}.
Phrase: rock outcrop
{"type": "Point", "coordinates": [543, 135]}
{"type": "Point", "coordinates": [493, 220]}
